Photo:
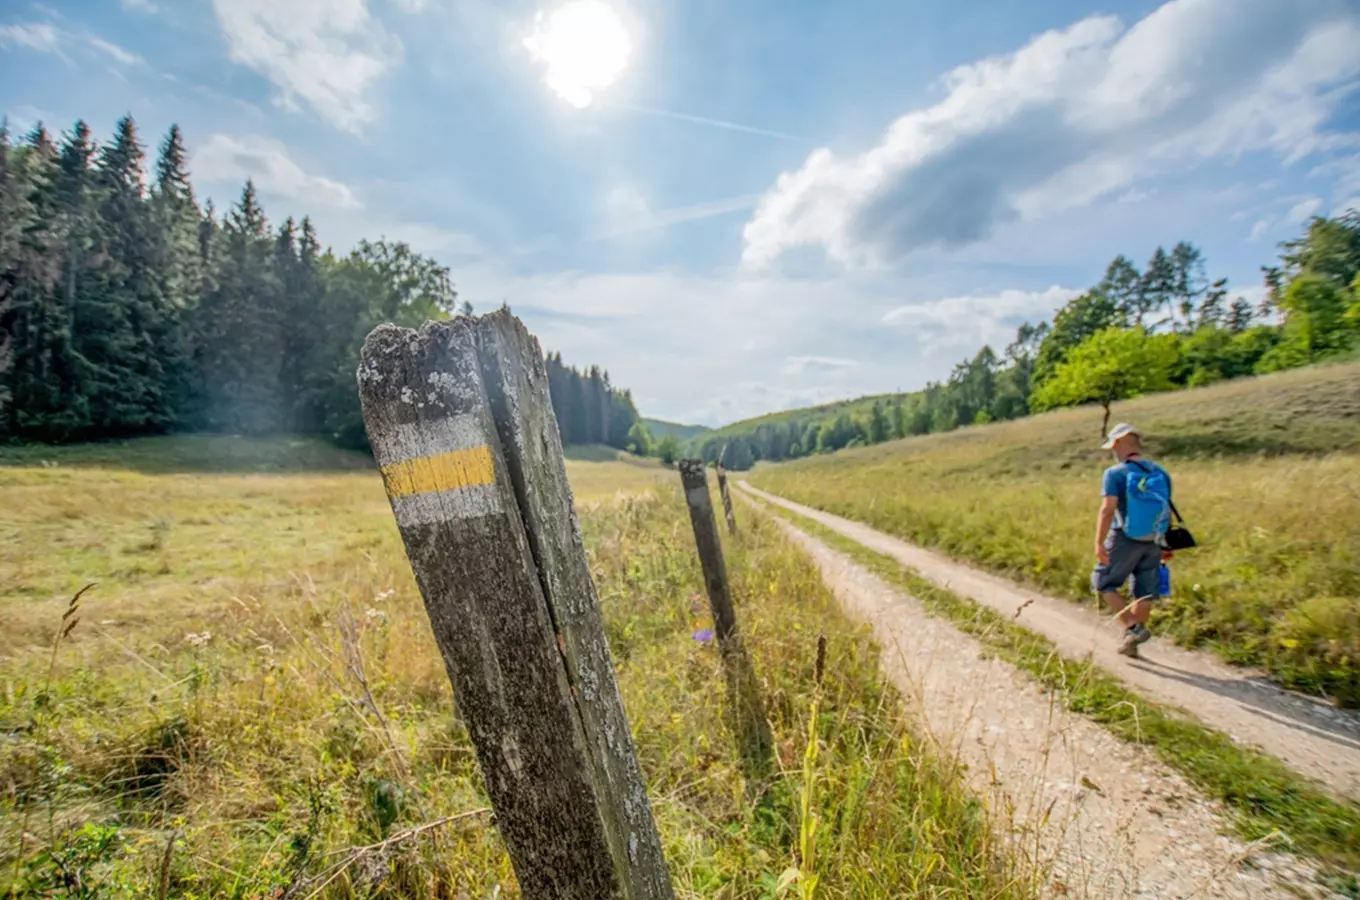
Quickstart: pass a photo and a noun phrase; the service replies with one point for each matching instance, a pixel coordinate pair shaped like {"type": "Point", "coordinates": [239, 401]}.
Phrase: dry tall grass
{"type": "Point", "coordinates": [251, 704]}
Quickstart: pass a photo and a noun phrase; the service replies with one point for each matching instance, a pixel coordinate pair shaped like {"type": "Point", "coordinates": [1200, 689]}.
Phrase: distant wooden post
{"type": "Point", "coordinates": [461, 424]}
{"type": "Point", "coordinates": [746, 707]}
{"type": "Point", "coordinates": [726, 500]}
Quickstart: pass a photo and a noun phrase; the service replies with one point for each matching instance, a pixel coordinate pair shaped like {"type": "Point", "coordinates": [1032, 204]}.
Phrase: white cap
{"type": "Point", "coordinates": [1123, 429]}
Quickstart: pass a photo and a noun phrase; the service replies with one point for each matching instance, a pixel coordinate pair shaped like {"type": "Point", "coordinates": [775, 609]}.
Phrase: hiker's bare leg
{"type": "Point", "coordinates": [1114, 600]}
{"type": "Point", "coordinates": [1136, 613]}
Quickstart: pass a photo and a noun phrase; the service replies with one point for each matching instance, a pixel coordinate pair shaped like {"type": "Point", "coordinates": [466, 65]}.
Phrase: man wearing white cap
{"type": "Point", "coordinates": [1134, 516]}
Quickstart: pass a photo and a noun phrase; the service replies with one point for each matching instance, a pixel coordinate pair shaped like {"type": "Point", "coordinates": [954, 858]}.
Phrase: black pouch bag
{"type": "Point", "coordinates": [1178, 537]}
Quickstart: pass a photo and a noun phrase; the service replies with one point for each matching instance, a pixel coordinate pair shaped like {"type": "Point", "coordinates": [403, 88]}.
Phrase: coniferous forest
{"type": "Point", "coordinates": [126, 308]}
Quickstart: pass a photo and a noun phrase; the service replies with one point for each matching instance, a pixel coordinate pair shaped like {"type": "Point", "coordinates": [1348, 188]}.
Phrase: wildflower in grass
{"type": "Point", "coordinates": [383, 595]}
{"type": "Point", "coordinates": [703, 635]}
{"type": "Point", "coordinates": [198, 639]}
{"type": "Point", "coordinates": [376, 615]}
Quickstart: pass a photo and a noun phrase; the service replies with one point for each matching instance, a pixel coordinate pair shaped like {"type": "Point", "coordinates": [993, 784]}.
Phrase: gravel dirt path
{"type": "Point", "coordinates": [1314, 737]}
{"type": "Point", "coordinates": [1101, 817]}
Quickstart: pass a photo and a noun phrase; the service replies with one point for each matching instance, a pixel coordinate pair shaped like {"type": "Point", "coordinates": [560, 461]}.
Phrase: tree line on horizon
{"type": "Point", "coordinates": [1164, 327]}
{"type": "Point", "coordinates": [128, 308]}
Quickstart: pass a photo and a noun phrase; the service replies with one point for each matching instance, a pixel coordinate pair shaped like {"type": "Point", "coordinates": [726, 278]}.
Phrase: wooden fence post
{"type": "Point", "coordinates": [745, 704]}
{"type": "Point", "coordinates": [460, 421]}
{"type": "Point", "coordinates": [726, 500]}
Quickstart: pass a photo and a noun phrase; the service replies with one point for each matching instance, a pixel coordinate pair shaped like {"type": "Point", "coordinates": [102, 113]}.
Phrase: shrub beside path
{"type": "Point", "coordinates": [1314, 738]}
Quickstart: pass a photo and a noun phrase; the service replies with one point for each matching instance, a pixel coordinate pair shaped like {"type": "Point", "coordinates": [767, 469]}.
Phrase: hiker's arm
{"type": "Point", "coordinates": [1108, 505]}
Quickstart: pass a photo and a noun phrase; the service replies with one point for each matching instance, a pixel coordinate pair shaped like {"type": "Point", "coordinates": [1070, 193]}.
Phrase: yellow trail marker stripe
{"type": "Point", "coordinates": [441, 472]}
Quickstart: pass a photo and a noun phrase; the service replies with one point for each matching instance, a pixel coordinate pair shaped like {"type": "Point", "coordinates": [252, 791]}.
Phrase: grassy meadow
{"type": "Point", "coordinates": [250, 703]}
{"type": "Point", "coordinates": [1266, 471]}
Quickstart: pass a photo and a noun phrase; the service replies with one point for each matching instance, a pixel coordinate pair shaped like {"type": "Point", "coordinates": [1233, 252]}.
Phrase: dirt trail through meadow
{"type": "Point", "coordinates": [1313, 737]}
{"type": "Point", "coordinates": [1107, 818]}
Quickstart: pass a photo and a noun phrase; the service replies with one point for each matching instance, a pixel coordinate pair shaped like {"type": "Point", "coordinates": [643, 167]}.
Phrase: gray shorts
{"type": "Point", "coordinates": [1140, 559]}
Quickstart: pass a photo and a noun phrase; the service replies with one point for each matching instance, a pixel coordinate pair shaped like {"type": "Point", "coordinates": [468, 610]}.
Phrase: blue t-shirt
{"type": "Point", "coordinates": [1116, 484]}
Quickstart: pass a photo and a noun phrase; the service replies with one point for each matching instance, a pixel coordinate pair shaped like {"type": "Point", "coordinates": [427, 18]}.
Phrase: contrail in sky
{"type": "Point", "coordinates": [716, 123]}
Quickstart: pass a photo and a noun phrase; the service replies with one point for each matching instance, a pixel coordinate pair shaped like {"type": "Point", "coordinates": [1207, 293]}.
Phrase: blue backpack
{"type": "Point", "coordinates": [1149, 503]}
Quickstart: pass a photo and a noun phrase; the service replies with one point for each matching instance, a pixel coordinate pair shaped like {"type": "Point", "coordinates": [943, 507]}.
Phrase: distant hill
{"type": "Point", "coordinates": [815, 414]}
{"type": "Point", "coordinates": [783, 428]}
{"type": "Point", "coordinates": [660, 428]}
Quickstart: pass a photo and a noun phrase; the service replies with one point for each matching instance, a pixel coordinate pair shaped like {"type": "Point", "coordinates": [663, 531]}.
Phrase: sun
{"type": "Point", "coordinates": [583, 46]}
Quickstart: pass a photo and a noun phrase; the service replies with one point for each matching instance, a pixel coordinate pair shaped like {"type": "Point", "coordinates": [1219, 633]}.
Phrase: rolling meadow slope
{"type": "Point", "coordinates": [1267, 472]}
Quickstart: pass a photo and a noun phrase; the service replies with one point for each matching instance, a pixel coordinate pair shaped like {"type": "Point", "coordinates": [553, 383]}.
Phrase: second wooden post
{"type": "Point", "coordinates": [746, 707]}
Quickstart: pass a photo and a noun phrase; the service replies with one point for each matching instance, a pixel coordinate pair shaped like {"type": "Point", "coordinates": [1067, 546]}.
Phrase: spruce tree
{"type": "Point", "coordinates": [237, 334]}
{"type": "Point", "coordinates": [10, 212]}
{"type": "Point", "coordinates": [175, 215]}
{"type": "Point", "coordinates": [135, 347]}
{"type": "Point", "coordinates": [44, 402]}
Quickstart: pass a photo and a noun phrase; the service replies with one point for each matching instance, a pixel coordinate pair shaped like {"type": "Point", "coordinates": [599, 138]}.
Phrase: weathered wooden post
{"type": "Point", "coordinates": [726, 500]}
{"type": "Point", "coordinates": [746, 706]}
{"type": "Point", "coordinates": [461, 424]}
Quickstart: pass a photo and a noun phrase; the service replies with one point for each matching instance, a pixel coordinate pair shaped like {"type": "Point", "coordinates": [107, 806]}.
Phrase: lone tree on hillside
{"type": "Point", "coordinates": [1114, 364]}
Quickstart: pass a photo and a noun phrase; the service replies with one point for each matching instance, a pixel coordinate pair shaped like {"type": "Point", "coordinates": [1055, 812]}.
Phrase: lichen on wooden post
{"type": "Point", "coordinates": [461, 424]}
{"type": "Point", "coordinates": [746, 706]}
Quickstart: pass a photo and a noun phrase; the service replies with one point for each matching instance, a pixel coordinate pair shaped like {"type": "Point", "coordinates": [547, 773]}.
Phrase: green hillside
{"type": "Point", "coordinates": [859, 406]}
{"type": "Point", "coordinates": [660, 428]}
{"type": "Point", "coordinates": [1267, 471]}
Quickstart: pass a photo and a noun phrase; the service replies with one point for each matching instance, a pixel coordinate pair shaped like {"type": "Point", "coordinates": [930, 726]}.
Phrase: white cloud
{"type": "Point", "coordinates": [39, 36]}
{"type": "Point", "coordinates": [141, 5]}
{"type": "Point", "coordinates": [628, 212]}
{"type": "Point", "coordinates": [45, 37]}
{"type": "Point", "coordinates": [113, 50]}
{"type": "Point", "coordinates": [970, 321]}
{"type": "Point", "coordinates": [327, 53]}
{"type": "Point", "coordinates": [1303, 210]}
{"type": "Point", "coordinates": [768, 342]}
{"type": "Point", "coordinates": [440, 243]}
{"type": "Point", "coordinates": [1076, 114]}
{"type": "Point", "coordinates": [234, 159]}
{"type": "Point", "coordinates": [644, 329]}
{"type": "Point", "coordinates": [798, 365]}
{"type": "Point", "coordinates": [1259, 229]}
{"type": "Point", "coordinates": [1345, 172]}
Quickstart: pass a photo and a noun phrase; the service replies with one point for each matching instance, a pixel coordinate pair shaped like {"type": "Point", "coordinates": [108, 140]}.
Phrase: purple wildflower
{"type": "Point", "coordinates": [703, 635]}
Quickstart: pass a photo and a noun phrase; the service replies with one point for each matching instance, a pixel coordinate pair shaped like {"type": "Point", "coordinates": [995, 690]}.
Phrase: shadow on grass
{"type": "Point", "coordinates": [192, 454]}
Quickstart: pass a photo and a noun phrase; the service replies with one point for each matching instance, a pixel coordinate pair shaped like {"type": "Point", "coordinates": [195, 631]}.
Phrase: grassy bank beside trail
{"type": "Point", "coordinates": [1267, 472]}
{"type": "Point", "coordinates": [1261, 794]}
{"type": "Point", "coordinates": [203, 726]}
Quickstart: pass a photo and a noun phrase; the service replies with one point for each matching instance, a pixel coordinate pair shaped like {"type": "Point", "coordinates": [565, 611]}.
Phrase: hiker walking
{"type": "Point", "coordinates": [1135, 513]}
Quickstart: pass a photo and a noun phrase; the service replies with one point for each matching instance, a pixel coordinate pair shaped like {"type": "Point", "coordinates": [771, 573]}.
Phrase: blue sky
{"type": "Point", "coordinates": [739, 207]}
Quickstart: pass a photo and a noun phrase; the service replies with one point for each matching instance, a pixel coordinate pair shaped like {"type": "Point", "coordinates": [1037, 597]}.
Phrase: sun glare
{"type": "Point", "coordinates": [583, 46]}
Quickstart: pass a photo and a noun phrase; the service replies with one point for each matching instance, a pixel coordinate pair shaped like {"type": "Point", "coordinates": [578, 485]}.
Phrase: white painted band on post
{"type": "Point", "coordinates": [429, 438]}
{"type": "Point", "coordinates": [468, 502]}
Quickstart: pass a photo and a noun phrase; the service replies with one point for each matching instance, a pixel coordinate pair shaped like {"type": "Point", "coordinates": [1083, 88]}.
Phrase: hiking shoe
{"type": "Point", "coordinates": [1142, 633]}
{"type": "Point", "coordinates": [1129, 647]}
